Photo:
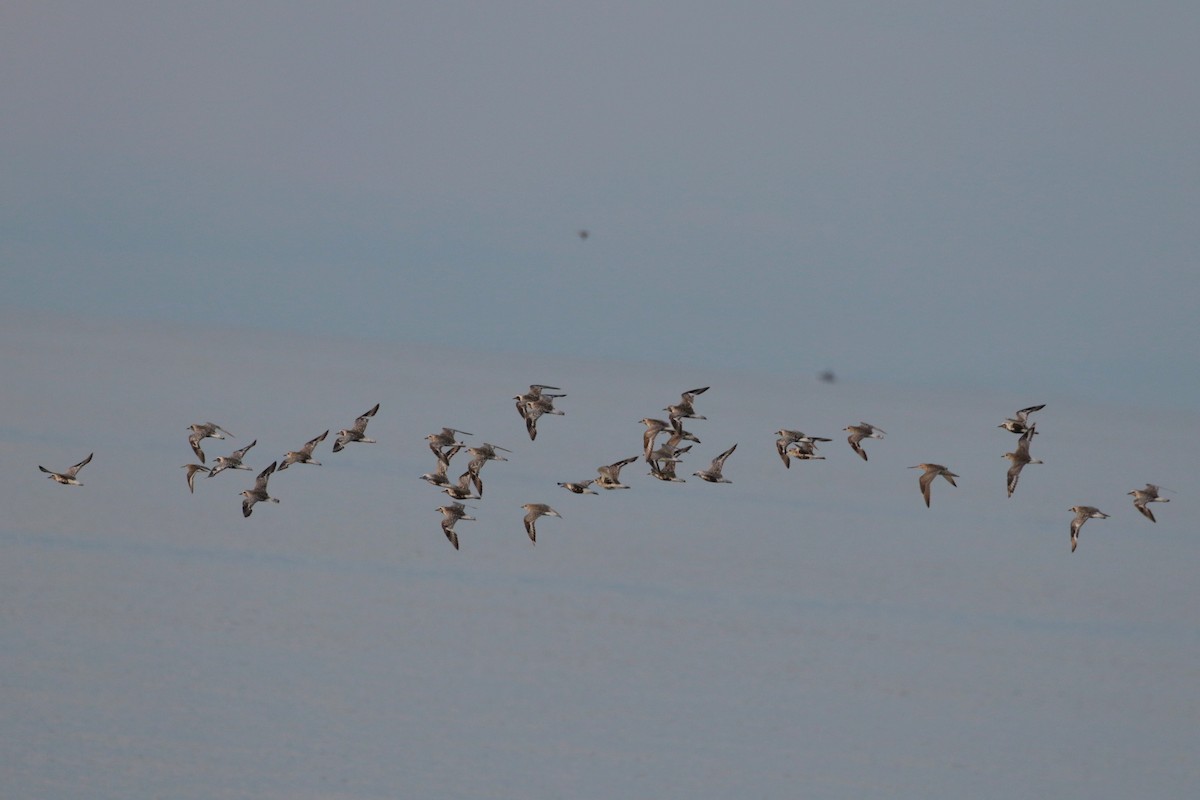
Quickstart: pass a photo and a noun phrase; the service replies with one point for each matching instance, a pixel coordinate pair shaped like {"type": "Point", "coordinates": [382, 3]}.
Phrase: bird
{"type": "Point", "coordinates": [438, 476]}
{"type": "Point", "coordinates": [931, 472]}
{"type": "Point", "coordinates": [462, 489]}
{"type": "Point", "coordinates": [445, 439]}
{"type": "Point", "coordinates": [1148, 495]}
{"type": "Point", "coordinates": [533, 511]}
{"type": "Point", "coordinates": [1020, 422]}
{"type": "Point", "coordinates": [205, 430]}
{"type": "Point", "coordinates": [685, 407]}
{"type": "Point", "coordinates": [610, 475]}
{"type": "Point", "coordinates": [653, 428]}
{"type": "Point", "coordinates": [1082, 515]}
{"type": "Point", "coordinates": [664, 468]}
{"type": "Point", "coordinates": [1019, 458]}
{"type": "Point", "coordinates": [666, 457]}
{"type": "Point", "coordinates": [450, 515]}
{"type": "Point", "coordinates": [259, 493]}
{"type": "Point", "coordinates": [192, 469]}
{"type": "Point", "coordinates": [788, 437]}
{"type": "Point", "coordinates": [533, 409]}
{"type": "Point", "coordinates": [356, 433]}
{"type": "Point", "coordinates": [231, 461]}
{"type": "Point", "coordinates": [474, 466]}
{"type": "Point", "coordinates": [803, 451]}
{"type": "Point", "coordinates": [580, 487]}
{"type": "Point", "coordinates": [862, 431]}
{"type": "Point", "coordinates": [536, 390]}
{"type": "Point", "coordinates": [304, 454]}
{"type": "Point", "coordinates": [583, 234]}
{"type": "Point", "coordinates": [67, 476]}
{"type": "Point", "coordinates": [713, 473]}
{"type": "Point", "coordinates": [488, 452]}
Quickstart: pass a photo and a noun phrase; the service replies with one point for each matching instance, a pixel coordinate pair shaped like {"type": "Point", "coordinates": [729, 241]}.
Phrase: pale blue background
{"type": "Point", "coordinates": [942, 194]}
{"type": "Point", "coordinates": [274, 215]}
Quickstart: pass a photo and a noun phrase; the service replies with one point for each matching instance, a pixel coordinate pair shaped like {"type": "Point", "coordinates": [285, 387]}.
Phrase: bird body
{"type": "Point", "coordinates": [578, 488]}
{"type": "Point", "coordinates": [192, 469]}
{"type": "Point", "coordinates": [610, 475]}
{"type": "Point", "coordinates": [67, 476]}
{"type": "Point", "coordinates": [357, 433]}
{"type": "Point", "coordinates": [231, 461]}
{"type": "Point", "coordinates": [685, 407]}
{"type": "Point", "coordinates": [1019, 458]}
{"type": "Point", "coordinates": [798, 445]}
{"type": "Point", "coordinates": [1020, 423]}
{"type": "Point", "coordinates": [1148, 495]}
{"type": "Point", "coordinates": [931, 472]}
{"type": "Point", "coordinates": [259, 493]}
{"type": "Point", "coordinates": [205, 430]}
{"type": "Point", "coordinates": [304, 454]}
{"type": "Point", "coordinates": [862, 431]}
{"type": "Point", "coordinates": [532, 512]}
{"type": "Point", "coordinates": [1082, 515]}
{"type": "Point", "coordinates": [450, 515]}
{"type": "Point", "coordinates": [713, 473]}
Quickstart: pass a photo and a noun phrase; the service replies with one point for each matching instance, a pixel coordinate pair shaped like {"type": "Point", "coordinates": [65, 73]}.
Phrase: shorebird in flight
{"type": "Point", "coordinates": [578, 488]}
{"type": "Point", "coordinates": [259, 493]}
{"type": "Point", "coordinates": [192, 469]}
{"type": "Point", "coordinates": [356, 433]}
{"type": "Point", "coordinates": [67, 476]}
{"type": "Point", "coordinates": [862, 431]}
{"type": "Point", "coordinates": [1148, 495]}
{"type": "Point", "coordinates": [304, 454]}
{"type": "Point", "coordinates": [450, 515]}
{"type": "Point", "coordinates": [807, 446]}
{"type": "Point", "coordinates": [931, 472]}
{"type": "Point", "coordinates": [685, 407]}
{"type": "Point", "coordinates": [231, 461]}
{"type": "Point", "coordinates": [205, 430]}
{"type": "Point", "coordinates": [1082, 515]}
{"type": "Point", "coordinates": [713, 473]}
{"type": "Point", "coordinates": [1020, 457]}
{"type": "Point", "coordinates": [610, 475]}
{"type": "Point", "coordinates": [532, 512]}
{"type": "Point", "coordinates": [1020, 423]}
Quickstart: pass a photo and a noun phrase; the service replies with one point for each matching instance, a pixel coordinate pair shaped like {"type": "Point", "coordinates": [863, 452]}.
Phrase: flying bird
{"type": "Point", "coordinates": [462, 489]}
{"type": "Point", "coordinates": [532, 405]}
{"type": "Point", "coordinates": [787, 438]}
{"type": "Point", "coordinates": [931, 472]}
{"type": "Point", "coordinates": [533, 511]}
{"type": "Point", "coordinates": [304, 454]}
{"type": "Point", "coordinates": [610, 475]}
{"type": "Point", "coordinates": [447, 438]}
{"type": "Point", "coordinates": [685, 407]}
{"type": "Point", "coordinates": [259, 493]}
{"type": "Point", "coordinates": [1020, 423]}
{"type": "Point", "coordinates": [1020, 457]}
{"type": "Point", "coordinates": [192, 469]}
{"type": "Point", "coordinates": [713, 473]}
{"type": "Point", "coordinates": [67, 476]}
{"type": "Point", "coordinates": [862, 431]}
{"type": "Point", "coordinates": [1082, 515]}
{"type": "Point", "coordinates": [450, 515]}
{"type": "Point", "coordinates": [231, 461]}
{"type": "Point", "coordinates": [580, 487]}
{"type": "Point", "coordinates": [205, 430]}
{"type": "Point", "coordinates": [1148, 495]}
{"type": "Point", "coordinates": [356, 433]}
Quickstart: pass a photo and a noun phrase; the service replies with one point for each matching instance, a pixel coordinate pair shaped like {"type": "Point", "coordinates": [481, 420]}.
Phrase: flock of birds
{"type": "Point", "coordinates": [663, 459]}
